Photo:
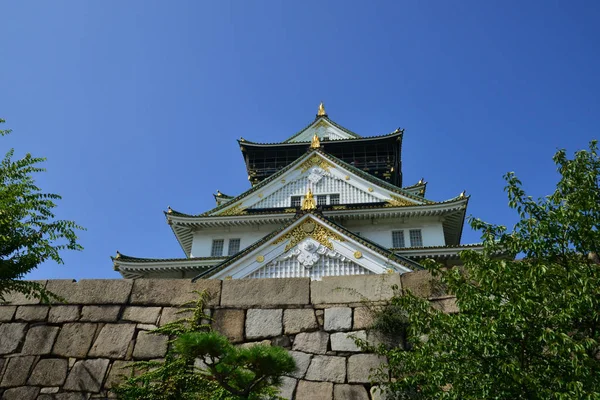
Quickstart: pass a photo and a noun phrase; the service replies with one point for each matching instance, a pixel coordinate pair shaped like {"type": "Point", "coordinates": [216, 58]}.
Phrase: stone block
{"type": "Point", "coordinates": [7, 313]}
{"type": "Point", "coordinates": [287, 387]}
{"type": "Point", "coordinates": [344, 341]}
{"type": "Point", "coordinates": [119, 371]}
{"type": "Point", "coordinates": [12, 334]}
{"type": "Point", "coordinates": [363, 366]}
{"type": "Point", "coordinates": [61, 314]}
{"type": "Point", "coordinates": [447, 305]}
{"type": "Point", "coordinates": [353, 288]}
{"type": "Point", "coordinates": [143, 315]}
{"type": "Point", "coordinates": [296, 320]}
{"type": "Point", "coordinates": [32, 313]}
{"type": "Point", "coordinates": [173, 292]}
{"type": "Point", "coordinates": [327, 368]}
{"type": "Point", "coordinates": [350, 392]}
{"type": "Point", "coordinates": [87, 376]}
{"type": "Point", "coordinates": [302, 362]}
{"type": "Point", "coordinates": [40, 339]}
{"type": "Point", "coordinates": [311, 342]}
{"type": "Point", "coordinates": [113, 341]}
{"type": "Point", "coordinates": [17, 299]}
{"type": "Point", "coordinates": [338, 319]}
{"type": "Point", "coordinates": [172, 314]}
{"type": "Point", "coordinates": [229, 323]}
{"type": "Point", "coordinates": [248, 293]}
{"type": "Point", "coordinates": [314, 390]}
{"type": "Point", "coordinates": [74, 340]}
{"type": "Point", "coordinates": [100, 313]}
{"type": "Point", "coordinates": [421, 284]}
{"type": "Point", "coordinates": [49, 372]}
{"type": "Point", "coordinates": [149, 346]}
{"type": "Point", "coordinates": [49, 390]}
{"type": "Point", "coordinates": [363, 318]}
{"type": "Point", "coordinates": [92, 291]}
{"type": "Point", "coordinates": [282, 341]}
{"type": "Point", "coordinates": [261, 323]}
{"type": "Point", "coordinates": [21, 393]}
{"type": "Point", "coordinates": [17, 371]}
{"type": "Point", "coordinates": [249, 345]}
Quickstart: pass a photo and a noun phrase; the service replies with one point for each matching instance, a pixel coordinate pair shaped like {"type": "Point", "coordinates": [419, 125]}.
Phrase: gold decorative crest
{"type": "Point", "coordinates": [370, 189]}
{"type": "Point", "coordinates": [397, 201]}
{"type": "Point", "coordinates": [315, 161]}
{"type": "Point", "coordinates": [312, 230]}
{"type": "Point", "coordinates": [357, 254]}
{"type": "Point", "coordinates": [347, 177]}
{"type": "Point", "coordinates": [235, 210]}
{"type": "Point", "coordinates": [260, 258]}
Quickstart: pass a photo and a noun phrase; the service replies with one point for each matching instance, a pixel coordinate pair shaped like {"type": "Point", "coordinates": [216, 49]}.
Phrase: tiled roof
{"type": "Point", "coordinates": [365, 242]}
{"type": "Point", "coordinates": [331, 158]}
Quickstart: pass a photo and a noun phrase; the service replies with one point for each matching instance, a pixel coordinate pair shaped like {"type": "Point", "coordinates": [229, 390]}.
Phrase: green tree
{"type": "Point", "coordinates": [29, 232]}
{"type": "Point", "coordinates": [225, 372]}
{"type": "Point", "coordinates": [527, 328]}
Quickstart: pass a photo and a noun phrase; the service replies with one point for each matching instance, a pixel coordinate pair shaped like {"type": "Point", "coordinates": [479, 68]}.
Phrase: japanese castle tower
{"type": "Point", "coordinates": [324, 202]}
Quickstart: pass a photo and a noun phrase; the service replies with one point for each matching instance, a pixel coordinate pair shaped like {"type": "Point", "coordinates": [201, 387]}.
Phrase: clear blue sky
{"type": "Point", "coordinates": [138, 104]}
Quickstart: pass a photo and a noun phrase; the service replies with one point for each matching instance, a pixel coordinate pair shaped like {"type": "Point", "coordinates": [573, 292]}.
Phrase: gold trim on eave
{"type": "Point", "coordinates": [309, 229]}
{"type": "Point", "coordinates": [397, 201]}
{"type": "Point", "coordinates": [235, 210]}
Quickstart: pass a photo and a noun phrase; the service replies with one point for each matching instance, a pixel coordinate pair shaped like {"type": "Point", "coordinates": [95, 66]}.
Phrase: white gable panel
{"type": "Point", "coordinates": [322, 129]}
{"type": "Point", "coordinates": [292, 268]}
{"type": "Point", "coordinates": [326, 185]}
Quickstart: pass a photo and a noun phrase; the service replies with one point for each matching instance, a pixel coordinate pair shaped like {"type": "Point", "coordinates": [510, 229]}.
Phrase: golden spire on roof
{"type": "Point", "coordinates": [316, 143]}
{"type": "Point", "coordinates": [321, 112]}
{"type": "Point", "coordinates": [308, 203]}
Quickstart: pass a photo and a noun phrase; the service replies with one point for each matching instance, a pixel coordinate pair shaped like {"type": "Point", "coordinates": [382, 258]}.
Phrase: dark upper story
{"type": "Point", "coordinates": [379, 156]}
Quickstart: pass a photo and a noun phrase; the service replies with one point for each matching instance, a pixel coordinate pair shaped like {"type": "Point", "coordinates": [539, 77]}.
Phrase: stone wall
{"type": "Point", "coordinates": [76, 350]}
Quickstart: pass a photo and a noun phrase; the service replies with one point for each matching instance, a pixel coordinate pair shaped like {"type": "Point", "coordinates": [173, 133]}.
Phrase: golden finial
{"type": "Point", "coordinates": [118, 254]}
{"type": "Point", "coordinates": [462, 194]}
{"type": "Point", "coordinates": [421, 181]}
{"type": "Point", "coordinates": [219, 194]}
{"type": "Point", "coordinates": [321, 112]}
{"type": "Point", "coordinates": [316, 143]}
{"type": "Point", "coordinates": [308, 203]}
{"type": "Point", "coordinates": [169, 210]}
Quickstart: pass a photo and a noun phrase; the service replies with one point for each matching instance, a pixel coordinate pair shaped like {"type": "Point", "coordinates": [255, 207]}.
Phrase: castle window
{"type": "Point", "coordinates": [398, 239]}
{"type": "Point", "coordinates": [234, 246]}
{"type": "Point", "coordinates": [217, 248]}
{"type": "Point", "coordinates": [296, 201]}
{"type": "Point", "coordinates": [334, 199]}
{"type": "Point", "coordinates": [416, 239]}
{"type": "Point", "coordinates": [322, 200]}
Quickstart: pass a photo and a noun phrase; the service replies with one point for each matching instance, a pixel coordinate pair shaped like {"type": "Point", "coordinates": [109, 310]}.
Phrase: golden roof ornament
{"type": "Point", "coordinates": [315, 143]}
{"type": "Point", "coordinates": [421, 181]}
{"type": "Point", "coordinates": [462, 194]}
{"type": "Point", "coordinates": [169, 211]}
{"type": "Point", "coordinates": [308, 203]}
{"type": "Point", "coordinates": [118, 255]}
{"type": "Point", "coordinates": [321, 112]}
{"type": "Point", "coordinates": [219, 194]}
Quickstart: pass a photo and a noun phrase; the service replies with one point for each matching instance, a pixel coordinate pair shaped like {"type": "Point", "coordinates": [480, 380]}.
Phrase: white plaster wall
{"type": "Point", "coordinates": [202, 244]}
{"type": "Point", "coordinates": [380, 231]}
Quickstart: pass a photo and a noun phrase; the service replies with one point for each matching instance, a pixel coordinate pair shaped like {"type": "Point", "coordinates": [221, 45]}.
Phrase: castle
{"type": "Point", "coordinates": [324, 202]}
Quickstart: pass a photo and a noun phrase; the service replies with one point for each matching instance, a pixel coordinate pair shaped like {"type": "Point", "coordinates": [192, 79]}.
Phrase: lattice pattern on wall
{"type": "Point", "coordinates": [327, 185]}
{"type": "Point", "coordinates": [291, 268]}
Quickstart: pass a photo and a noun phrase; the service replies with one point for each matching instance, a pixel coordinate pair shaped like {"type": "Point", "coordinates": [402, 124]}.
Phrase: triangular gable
{"type": "Point", "coordinates": [306, 243]}
{"type": "Point", "coordinates": [324, 175]}
{"type": "Point", "coordinates": [324, 129]}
